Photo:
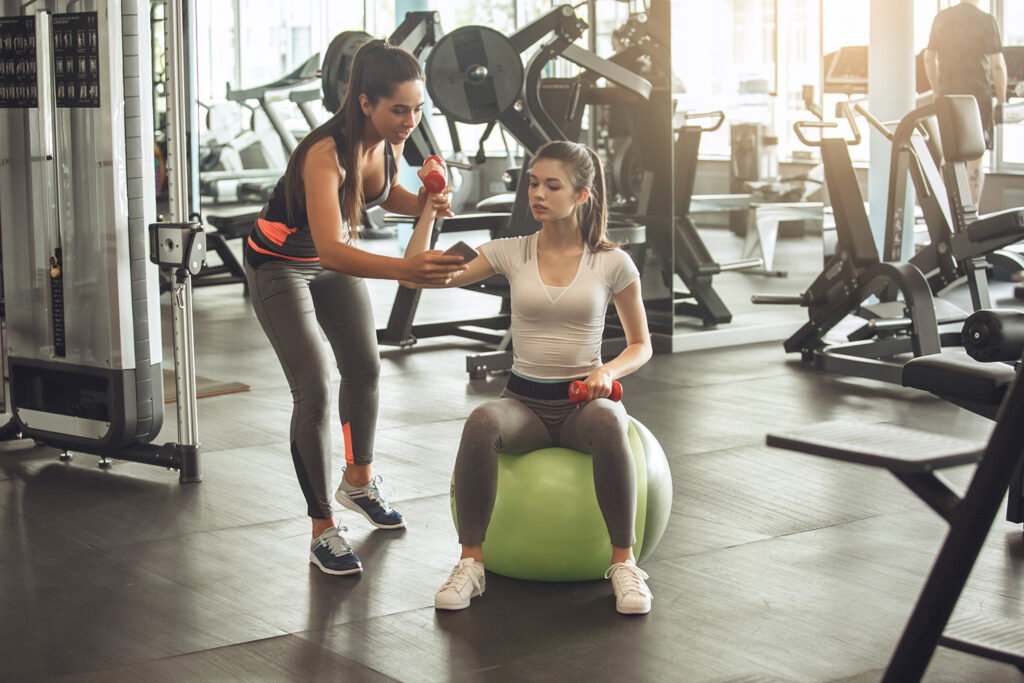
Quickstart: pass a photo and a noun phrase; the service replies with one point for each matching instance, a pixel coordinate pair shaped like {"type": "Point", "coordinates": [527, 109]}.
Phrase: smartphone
{"type": "Point", "coordinates": [467, 252]}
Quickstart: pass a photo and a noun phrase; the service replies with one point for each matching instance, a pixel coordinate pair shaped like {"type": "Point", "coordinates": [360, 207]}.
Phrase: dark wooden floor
{"type": "Point", "coordinates": [775, 566]}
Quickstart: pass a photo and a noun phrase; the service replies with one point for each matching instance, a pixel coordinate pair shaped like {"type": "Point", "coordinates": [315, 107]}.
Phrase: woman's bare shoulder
{"type": "Point", "coordinates": [322, 157]}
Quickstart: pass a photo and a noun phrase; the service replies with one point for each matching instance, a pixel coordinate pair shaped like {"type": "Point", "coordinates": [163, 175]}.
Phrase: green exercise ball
{"type": "Point", "coordinates": [546, 524]}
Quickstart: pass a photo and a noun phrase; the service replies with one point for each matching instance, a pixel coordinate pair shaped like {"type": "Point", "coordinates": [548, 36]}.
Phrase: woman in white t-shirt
{"type": "Point", "coordinates": [562, 279]}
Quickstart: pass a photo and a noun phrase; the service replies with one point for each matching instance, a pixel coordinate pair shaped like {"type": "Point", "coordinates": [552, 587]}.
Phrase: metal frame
{"type": "Point", "coordinates": [970, 521]}
{"type": "Point", "coordinates": [851, 277]}
{"type": "Point", "coordinates": [912, 457]}
{"type": "Point", "coordinates": [187, 448]}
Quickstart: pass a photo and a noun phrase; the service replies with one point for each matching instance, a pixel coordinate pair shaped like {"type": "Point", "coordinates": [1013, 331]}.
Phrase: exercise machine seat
{"type": "Point", "coordinates": [234, 223]}
{"type": "Point", "coordinates": [1007, 224]}
{"type": "Point", "coordinates": [954, 374]}
{"type": "Point", "coordinates": [499, 203]}
{"type": "Point", "coordinates": [960, 128]}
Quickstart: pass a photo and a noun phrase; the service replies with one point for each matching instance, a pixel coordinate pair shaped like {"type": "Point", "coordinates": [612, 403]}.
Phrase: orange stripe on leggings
{"type": "Point", "coordinates": [346, 429]}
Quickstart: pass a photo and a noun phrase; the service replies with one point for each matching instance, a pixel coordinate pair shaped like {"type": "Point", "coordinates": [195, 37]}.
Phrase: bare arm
{"type": "Point", "coordinates": [931, 68]}
{"type": "Point", "coordinates": [476, 270]}
{"type": "Point", "coordinates": [633, 317]}
{"type": "Point", "coordinates": [997, 65]}
{"type": "Point", "coordinates": [400, 200]}
{"type": "Point", "coordinates": [322, 176]}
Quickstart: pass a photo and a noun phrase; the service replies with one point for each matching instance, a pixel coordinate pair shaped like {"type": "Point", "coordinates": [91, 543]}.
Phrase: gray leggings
{"type": "Point", "coordinates": [514, 424]}
{"type": "Point", "coordinates": [294, 302]}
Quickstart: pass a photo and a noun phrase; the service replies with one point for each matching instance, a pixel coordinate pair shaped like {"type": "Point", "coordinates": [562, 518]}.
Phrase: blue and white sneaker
{"type": "Point", "coordinates": [368, 501]}
{"type": "Point", "coordinates": [332, 553]}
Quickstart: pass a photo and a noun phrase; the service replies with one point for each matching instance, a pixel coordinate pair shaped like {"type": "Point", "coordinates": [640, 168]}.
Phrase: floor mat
{"type": "Point", "coordinates": [204, 387]}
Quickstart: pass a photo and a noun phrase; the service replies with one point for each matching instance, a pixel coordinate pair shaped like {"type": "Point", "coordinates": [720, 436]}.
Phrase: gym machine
{"type": "Point", "coordinates": [76, 199]}
{"type": "Point", "coordinates": [980, 378]}
{"type": "Point", "coordinates": [237, 182]}
{"type": "Point", "coordinates": [643, 176]}
{"type": "Point", "coordinates": [962, 243]}
{"type": "Point", "coordinates": [889, 330]}
{"type": "Point", "coordinates": [916, 458]}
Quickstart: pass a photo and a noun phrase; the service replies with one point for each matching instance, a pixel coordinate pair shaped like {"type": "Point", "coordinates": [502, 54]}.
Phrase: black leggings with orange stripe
{"type": "Point", "coordinates": [294, 302]}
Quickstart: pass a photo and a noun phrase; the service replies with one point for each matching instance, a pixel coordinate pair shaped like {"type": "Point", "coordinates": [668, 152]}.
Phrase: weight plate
{"type": "Point", "coordinates": [336, 67]}
{"type": "Point", "coordinates": [627, 175]}
{"type": "Point", "coordinates": [474, 74]}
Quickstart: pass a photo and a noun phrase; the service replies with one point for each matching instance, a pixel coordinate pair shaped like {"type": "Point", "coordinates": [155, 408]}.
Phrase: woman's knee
{"type": "Point", "coordinates": [365, 376]}
{"type": "Point", "coordinates": [603, 421]}
{"type": "Point", "coordinates": [484, 428]}
{"type": "Point", "coordinates": [312, 393]}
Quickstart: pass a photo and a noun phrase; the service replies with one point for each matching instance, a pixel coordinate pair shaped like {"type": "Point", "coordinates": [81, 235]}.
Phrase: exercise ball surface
{"type": "Point", "coordinates": [547, 525]}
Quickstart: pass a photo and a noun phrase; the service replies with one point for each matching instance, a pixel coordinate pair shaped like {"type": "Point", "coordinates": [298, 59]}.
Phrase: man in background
{"type": "Point", "coordinates": [965, 57]}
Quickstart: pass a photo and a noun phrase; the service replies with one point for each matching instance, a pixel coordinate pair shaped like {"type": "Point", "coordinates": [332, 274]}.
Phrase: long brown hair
{"type": "Point", "coordinates": [377, 68]}
{"type": "Point", "coordinates": [585, 171]}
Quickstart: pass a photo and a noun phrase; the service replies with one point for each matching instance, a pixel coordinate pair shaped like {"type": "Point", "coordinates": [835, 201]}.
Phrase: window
{"type": "Point", "coordinates": [749, 58]}
{"type": "Point", "coordinates": [1010, 138]}
{"type": "Point", "coordinates": [248, 43]}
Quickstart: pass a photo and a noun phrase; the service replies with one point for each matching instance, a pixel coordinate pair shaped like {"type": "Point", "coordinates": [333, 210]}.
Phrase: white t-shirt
{"type": "Point", "coordinates": [556, 331]}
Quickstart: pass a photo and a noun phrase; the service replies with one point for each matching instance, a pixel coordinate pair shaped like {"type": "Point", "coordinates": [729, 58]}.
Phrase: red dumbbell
{"type": "Point", "coordinates": [578, 391]}
{"type": "Point", "coordinates": [434, 180]}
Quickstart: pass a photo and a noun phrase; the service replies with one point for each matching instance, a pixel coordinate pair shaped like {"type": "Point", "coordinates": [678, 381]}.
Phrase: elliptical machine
{"type": "Point", "coordinates": [887, 331]}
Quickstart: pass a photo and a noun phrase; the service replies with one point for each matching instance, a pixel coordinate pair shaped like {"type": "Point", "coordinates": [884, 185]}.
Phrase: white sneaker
{"type": "Point", "coordinates": [632, 596]}
{"type": "Point", "coordinates": [465, 583]}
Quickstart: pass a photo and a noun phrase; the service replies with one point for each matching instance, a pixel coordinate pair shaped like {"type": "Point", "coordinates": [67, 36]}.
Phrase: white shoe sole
{"type": "Point", "coordinates": [333, 572]}
{"type": "Point", "coordinates": [461, 605]}
{"type": "Point", "coordinates": [347, 502]}
{"type": "Point", "coordinates": [643, 609]}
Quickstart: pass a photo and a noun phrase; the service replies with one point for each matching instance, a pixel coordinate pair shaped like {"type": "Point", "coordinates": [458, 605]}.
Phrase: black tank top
{"type": "Point", "coordinates": [272, 238]}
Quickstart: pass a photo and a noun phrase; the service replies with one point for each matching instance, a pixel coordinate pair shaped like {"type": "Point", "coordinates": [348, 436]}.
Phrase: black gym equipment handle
{"type": "Point", "coordinates": [881, 127]}
{"type": "Point", "coordinates": [800, 126]}
{"type": "Point", "coordinates": [844, 109]}
{"type": "Point", "coordinates": [790, 299]}
{"type": "Point", "coordinates": [718, 115]}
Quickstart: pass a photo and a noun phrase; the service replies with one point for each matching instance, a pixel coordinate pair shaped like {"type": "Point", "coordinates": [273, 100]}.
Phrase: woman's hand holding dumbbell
{"type": "Point", "coordinates": [578, 391]}
{"type": "Point", "coordinates": [434, 174]}
{"type": "Point", "coordinates": [434, 192]}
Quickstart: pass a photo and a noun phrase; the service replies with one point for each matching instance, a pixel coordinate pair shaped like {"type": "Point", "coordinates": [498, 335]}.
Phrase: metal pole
{"type": "Point", "coordinates": [592, 46]}
{"type": "Point", "coordinates": [181, 304]}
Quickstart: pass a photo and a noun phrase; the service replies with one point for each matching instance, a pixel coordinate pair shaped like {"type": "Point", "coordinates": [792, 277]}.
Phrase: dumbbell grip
{"type": "Point", "coordinates": [578, 391]}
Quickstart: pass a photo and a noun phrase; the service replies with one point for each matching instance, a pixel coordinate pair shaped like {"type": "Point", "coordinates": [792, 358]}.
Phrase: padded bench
{"type": "Point", "coordinates": [914, 456]}
{"type": "Point", "coordinates": [230, 223]}
{"type": "Point", "coordinates": [958, 378]}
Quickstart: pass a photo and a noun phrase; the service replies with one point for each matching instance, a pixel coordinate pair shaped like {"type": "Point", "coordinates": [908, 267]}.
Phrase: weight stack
{"type": "Point", "coordinates": [76, 197]}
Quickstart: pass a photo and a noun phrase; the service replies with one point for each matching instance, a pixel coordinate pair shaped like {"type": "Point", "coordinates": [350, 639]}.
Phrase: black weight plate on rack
{"type": "Point", "coordinates": [474, 74]}
{"type": "Point", "coordinates": [336, 67]}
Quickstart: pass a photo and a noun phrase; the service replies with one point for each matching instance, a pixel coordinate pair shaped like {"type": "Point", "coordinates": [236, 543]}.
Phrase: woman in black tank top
{"type": "Point", "coordinates": [306, 275]}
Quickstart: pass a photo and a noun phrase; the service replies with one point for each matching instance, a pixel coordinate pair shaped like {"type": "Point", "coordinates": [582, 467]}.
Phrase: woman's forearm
{"type": "Point", "coordinates": [401, 200]}
{"type": "Point", "coordinates": [632, 358]}
{"type": "Point", "coordinates": [419, 242]}
{"type": "Point", "coordinates": [345, 258]}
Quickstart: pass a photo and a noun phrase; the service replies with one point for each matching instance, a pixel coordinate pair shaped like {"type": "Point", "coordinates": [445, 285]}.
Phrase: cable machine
{"type": "Point", "coordinates": [77, 198]}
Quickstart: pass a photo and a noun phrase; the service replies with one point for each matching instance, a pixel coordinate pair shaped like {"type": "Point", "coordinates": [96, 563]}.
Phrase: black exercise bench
{"type": "Point", "coordinates": [230, 223]}
{"type": "Point", "coordinates": [915, 457]}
